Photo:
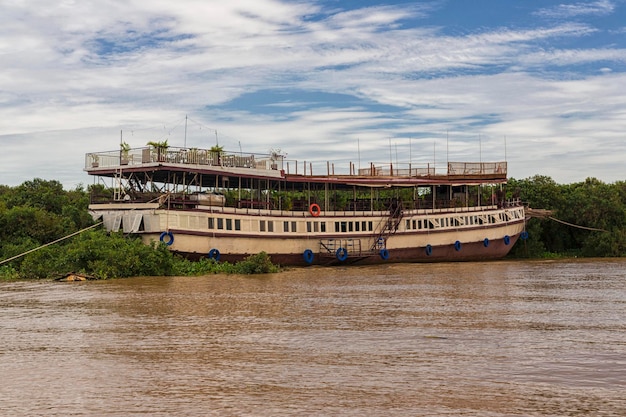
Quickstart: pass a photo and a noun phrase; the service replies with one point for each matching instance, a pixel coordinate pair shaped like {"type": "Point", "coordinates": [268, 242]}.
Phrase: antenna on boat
{"type": "Point", "coordinates": [185, 144]}
{"type": "Point", "coordinates": [504, 148]}
{"type": "Point", "coordinates": [396, 145]}
{"type": "Point", "coordinates": [358, 148]}
{"type": "Point", "coordinates": [216, 141]}
{"type": "Point", "coordinates": [447, 150]}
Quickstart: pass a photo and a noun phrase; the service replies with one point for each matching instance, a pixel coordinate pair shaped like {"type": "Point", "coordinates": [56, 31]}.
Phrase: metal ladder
{"type": "Point", "coordinates": [390, 227]}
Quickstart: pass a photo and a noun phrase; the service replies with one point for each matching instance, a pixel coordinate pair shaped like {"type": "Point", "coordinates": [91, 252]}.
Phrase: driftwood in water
{"type": "Point", "coordinates": [71, 277]}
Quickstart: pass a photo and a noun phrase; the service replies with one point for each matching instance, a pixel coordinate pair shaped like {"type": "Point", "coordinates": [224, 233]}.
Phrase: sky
{"type": "Point", "coordinates": [538, 83]}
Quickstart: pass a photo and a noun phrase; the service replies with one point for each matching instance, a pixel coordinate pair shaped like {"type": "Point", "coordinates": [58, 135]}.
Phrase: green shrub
{"type": "Point", "coordinates": [256, 264]}
{"type": "Point", "coordinates": [8, 273]}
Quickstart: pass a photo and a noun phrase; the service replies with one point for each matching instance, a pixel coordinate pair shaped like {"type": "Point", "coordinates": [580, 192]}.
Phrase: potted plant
{"type": "Point", "coordinates": [275, 156]}
{"type": "Point", "coordinates": [95, 160]}
{"type": "Point", "coordinates": [216, 154]}
{"type": "Point", "coordinates": [124, 150]}
{"type": "Point", "coordinates": [160, 148]}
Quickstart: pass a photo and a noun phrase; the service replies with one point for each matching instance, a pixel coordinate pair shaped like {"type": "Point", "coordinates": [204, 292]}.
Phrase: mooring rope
{"type": "Point", "coordinates": [577, 226]}
{"type": "Point", "coordinates": [50, 243]}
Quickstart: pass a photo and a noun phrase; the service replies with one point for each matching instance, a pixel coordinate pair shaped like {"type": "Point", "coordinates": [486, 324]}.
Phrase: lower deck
{"type": "Point", "coordinates": [356, 237]}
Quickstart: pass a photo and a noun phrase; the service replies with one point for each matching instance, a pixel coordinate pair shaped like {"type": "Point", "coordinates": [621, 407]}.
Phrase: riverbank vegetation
{"type": "Point", "coordinates": [38, 212]}
{"type": "Point", "coordinates": [576, 209]}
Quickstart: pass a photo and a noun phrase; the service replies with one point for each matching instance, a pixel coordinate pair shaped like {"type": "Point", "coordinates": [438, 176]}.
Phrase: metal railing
{"type": "Point", "coordinates": [207, 157]}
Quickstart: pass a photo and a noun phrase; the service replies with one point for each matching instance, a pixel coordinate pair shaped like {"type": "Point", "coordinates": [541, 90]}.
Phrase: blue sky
{"type": "Point", "coordinates": [542, 83]}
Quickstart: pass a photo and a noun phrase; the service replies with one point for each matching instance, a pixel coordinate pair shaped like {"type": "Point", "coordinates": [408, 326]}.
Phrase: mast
{"type": "Point", "coordinates": [185, 144]}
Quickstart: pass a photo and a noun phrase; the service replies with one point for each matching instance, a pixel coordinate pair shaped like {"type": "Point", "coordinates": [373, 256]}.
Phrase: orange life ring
{"type": "Point", "coordinates": [315, 210]}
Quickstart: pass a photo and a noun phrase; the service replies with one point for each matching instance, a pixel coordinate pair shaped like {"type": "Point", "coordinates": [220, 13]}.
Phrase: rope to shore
{"type": "Point", "coordinates": [577, 226]}
{"type": "Point", "coordinates": [50, 243]}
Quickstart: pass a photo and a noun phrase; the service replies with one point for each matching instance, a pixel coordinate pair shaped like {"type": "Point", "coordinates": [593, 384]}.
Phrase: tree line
{"type": "Point", "coordinates": [39, 211]}
{"type": "Point", "coordinates": [575, 209]}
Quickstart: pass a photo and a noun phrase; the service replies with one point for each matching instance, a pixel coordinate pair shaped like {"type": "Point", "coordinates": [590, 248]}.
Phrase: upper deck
{"type": "Point", "coordinates": [161, 164]}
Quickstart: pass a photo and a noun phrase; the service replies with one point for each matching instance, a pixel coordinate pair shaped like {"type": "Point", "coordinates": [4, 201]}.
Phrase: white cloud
{"type": "Point", "coordinates": [76, 73]}
{"type": "Point", "coordinates": [598, 8]}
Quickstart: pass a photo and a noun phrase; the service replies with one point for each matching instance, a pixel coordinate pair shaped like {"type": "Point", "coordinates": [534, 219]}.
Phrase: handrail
{"type": "Point", "coordinates": [206, 157]}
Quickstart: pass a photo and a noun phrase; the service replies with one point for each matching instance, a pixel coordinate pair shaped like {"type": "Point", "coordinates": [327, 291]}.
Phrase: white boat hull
{"type": "Point", "coordinates": [233, 234]}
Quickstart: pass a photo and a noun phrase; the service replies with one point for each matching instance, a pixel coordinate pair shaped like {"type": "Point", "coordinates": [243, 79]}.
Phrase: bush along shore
{"type": "Point", "coordinates": [39, 212]}
{"type": "Point", "coordinates": [101, 255]}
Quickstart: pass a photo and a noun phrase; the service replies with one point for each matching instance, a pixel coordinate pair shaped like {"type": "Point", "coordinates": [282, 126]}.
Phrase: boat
{"type": "Point", "coordinates": [229, 205]}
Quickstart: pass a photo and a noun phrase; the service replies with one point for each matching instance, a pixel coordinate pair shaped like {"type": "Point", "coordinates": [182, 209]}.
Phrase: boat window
{"type": "Point", "coordinates": [220, 223]}
{"type": "Point", "coordinates": [414, 225]}
{"type": "Point", "coordinates": [407, 224]}
{"type": "Point", "coordinates": [293, 226]}
{"type": "Point", "coordinates": [308, 227]}
{"type": "Point", "coordinates": [364, 226]}
{"type": "Point", "coordinates": [350, 226]}
{"type": "Point", "coordinates": [262, 225]}
{"type": "Point", "coordinates": [370, 226]}
{"type": "Point", "coordinates": [270, 226]}
{"type": "Point", "coordinates": [211, 223]}
{"type": "Point", "coordinates": [285, 226]}
{"type": "Point", "coordinates": [237, 224]}
{"type": "Point", "coordinates": [344, 227]}
{"type": "Point", "coordinates": [337, 227]}
{"type": "Point", "coordinates": [323, 227]}
{"type": "Point", "coordinates": [229, 224]}
{"type": "Point", "coordinates": [357, 226]}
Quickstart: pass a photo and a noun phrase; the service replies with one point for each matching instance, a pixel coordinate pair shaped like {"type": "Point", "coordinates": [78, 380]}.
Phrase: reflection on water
{"type": "Point", "coordinates": [498, 338]}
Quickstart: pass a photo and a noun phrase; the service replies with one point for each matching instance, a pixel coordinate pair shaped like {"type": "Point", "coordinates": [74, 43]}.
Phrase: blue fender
{"type": "Point", "coordinates": [341, 254]}
{"type": "Point", "coordinates": [214, 254]}
{"type": "Point", "coordinates": [167, 238]}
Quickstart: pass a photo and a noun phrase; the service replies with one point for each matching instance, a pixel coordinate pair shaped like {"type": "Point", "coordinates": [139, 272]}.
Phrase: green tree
{"type": "Point", "coordinates": [46, 195]}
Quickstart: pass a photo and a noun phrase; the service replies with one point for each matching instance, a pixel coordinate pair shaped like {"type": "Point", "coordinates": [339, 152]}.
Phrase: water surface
{"type": "Point", "coordinates": [473, 339]}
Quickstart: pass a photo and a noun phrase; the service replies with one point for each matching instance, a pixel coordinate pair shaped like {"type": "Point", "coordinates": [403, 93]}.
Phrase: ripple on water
{"type": "Point", "coordinates": [488, 339]}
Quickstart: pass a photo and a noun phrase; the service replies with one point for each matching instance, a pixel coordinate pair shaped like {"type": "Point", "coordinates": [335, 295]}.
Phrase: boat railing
{"type": "Point", "coordinates": [175, 155]}
{"type": "Point", "coordinates": [349, 168]}
{"type": "Point", "coordinates": [399, 171]}
{"type": "Point", "coordinates": [205, 157]}
{"type": "Point", "coordinates": [477, 168]}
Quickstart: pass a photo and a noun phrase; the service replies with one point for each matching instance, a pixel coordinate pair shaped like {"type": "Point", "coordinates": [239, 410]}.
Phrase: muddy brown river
{"type": "Point", "coordinates": [507, 338]}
